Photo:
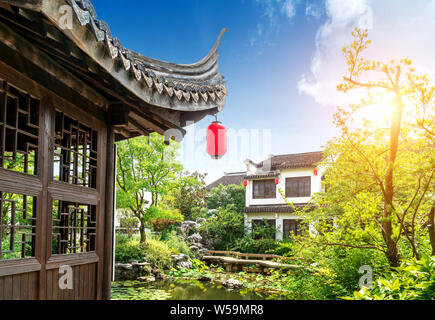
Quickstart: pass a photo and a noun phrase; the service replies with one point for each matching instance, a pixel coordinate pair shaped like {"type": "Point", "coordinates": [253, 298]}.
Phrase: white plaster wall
{"type": "Point", "coordinates": [316, 186]}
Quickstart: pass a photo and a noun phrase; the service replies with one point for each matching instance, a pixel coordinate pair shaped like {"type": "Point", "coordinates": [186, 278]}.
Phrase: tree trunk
{"type": "Point", "coordinates": [387, 225]}
{"type": "Point", "coordinates": [392, 252]}
{"type": "Point", "coordinates": [143, 236]}
{"type": "Point", "coordinates": [431, 228]}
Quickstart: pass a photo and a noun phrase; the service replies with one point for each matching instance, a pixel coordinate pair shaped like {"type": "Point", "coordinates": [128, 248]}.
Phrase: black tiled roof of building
{"type": "Point", "coordinates": [279, 208]}
{"type": "Point", "coordinates": [229, 178]}
{"type": "Point", "coordinates": [296, 160]}
{"type": "Point", "coordinates": [185, 87]}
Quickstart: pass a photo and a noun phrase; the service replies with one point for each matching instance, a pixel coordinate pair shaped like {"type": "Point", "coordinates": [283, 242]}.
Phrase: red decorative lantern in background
{"type": "Point", "coordinates": [315, 171]}
{"type": "Point", "coordinates": [216, 140]}
{"type": "Point", "coordinates": [245, 183]}
{"type": "Point", "coordinates": [276, 180]}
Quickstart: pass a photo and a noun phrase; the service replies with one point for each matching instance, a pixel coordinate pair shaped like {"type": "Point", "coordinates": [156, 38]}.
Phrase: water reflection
{"type": "Point", "coordinates": [179, 290]}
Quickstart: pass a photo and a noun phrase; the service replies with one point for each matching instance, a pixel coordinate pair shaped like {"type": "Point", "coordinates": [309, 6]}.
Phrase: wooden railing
{"type": "Point", "coordinates": [247, 256]}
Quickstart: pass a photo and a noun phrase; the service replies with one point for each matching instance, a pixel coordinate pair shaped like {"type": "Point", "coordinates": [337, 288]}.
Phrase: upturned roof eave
{"type": "Point", "coordinates": [180, 87]}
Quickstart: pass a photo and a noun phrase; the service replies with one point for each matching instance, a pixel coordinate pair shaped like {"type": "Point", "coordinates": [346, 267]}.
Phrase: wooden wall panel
{"type": "Point", "coordinates": [2, 285]}
{"type": "Point", "coordinates": [84, 284]}
{"type": "Point", "coordinates": [19, 286]}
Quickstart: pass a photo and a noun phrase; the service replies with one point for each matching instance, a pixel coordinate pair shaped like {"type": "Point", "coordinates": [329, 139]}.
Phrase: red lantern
{"type": "Point", "coordinates": [315, 171]}
{"type": "Point", "coordinates": [216, 140]}
{"type": "Point", "coordinates": [276, 180]}
{"type": "Point", "coordinates": [245, 183]}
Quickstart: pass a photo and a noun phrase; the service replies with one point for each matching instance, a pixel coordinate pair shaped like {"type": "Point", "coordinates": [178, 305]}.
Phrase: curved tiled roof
{"type": "Point", "coordinates": [180, 87]}
{"type": "Point", "coordinates": [296, 160]}
{"type": "Point", "coordinates": [229, 178]}
{"type": "Point", "coordinates": [272, 174]}
{"type": "Point", "coordinates": [186, 83]}
{"type": "Point", "coordinates": [280, 208]}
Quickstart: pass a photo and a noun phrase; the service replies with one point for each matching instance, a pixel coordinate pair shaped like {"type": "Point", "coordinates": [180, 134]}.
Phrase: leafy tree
{"type": "Point", "coordinates": [222, 196]}
{"type": "Point", "coordinates": [190, 192]}
{"type": "Point", "coordinates": [145, 165]}
{"type": "Point", "coordinates": [379, 180]}
{"type": "Point", "coordinates": [162, 218]}
{"type": "Point", "coordinates": [224, 228]}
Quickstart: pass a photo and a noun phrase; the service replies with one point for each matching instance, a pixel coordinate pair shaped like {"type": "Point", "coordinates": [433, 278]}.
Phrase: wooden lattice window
{"type": "Point", "coordinates": [75, 155]}
{"type": "Point", "coordinates": [264, 189]}
{"type": "Point", "coordinates": [294, 227]}
{"type": "Point", "coordinates": [19, 129]}
{"type": "Point", "coordinates": [73, 227]}
{"type": "Point", "coordinates": [17, 226]}
{"type": "Point", "coordinates": [298, 187]}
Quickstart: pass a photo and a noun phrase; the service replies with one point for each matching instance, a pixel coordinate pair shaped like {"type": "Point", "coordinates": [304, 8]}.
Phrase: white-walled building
{"type": "Point", "coordinates": [295, 175]}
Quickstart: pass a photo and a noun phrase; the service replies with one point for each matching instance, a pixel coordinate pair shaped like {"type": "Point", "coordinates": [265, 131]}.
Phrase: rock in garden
{"type": "Point", "coordinates": [200, 220]}
{"type": "Point", "coordinates": [232, 284]}
{"type": "Point", "coordinates": [195, 238]}
{"type": "Point", "coordinates": [124, 271]}
{"type": "Point", "coordinates": [185, 264]}
{"type": "Point", "coordinates": [147, 279]}
{"type": "Point", "coordinates": [141, 268]}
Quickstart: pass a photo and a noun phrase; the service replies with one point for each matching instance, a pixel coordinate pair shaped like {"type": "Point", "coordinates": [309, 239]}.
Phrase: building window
{"type": "Point", "coordinates": [75, 155]}
{"type": "Point", "coordinates": [293, 226]}
{"type": "Point", "coordinates": [74, 227]}
{"type": "Point", "coordinates": [263, 228]}
{"type": "Point", "coordinates": [298, 187]}
{"type": "Point", "coordinates": [17, 226]}
{"type": "Point", "coordinates": [19, 130]}
{"type": "Point", "coordinates": [264, 189]}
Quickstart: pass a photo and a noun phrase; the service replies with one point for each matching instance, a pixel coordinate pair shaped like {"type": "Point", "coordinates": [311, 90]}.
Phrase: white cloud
{"type": "Point", "coordinates": [272, 11]}
{"type": "Point", "coordinates": [313, 10]}
{"type": "Point", "coordinates": [404, 28]}
{"type": "Point", "coordinates": [288, 8]}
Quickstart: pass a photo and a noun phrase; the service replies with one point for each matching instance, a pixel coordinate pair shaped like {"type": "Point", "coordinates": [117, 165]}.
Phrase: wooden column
{"type": "Point", "coordinates": [45, 163]}
{"type": "Point", "coordinates": [109, 213]}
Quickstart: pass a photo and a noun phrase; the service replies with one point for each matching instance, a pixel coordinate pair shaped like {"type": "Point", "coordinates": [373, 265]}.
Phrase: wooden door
{"type": "Point", "coordinates": [52, 187]}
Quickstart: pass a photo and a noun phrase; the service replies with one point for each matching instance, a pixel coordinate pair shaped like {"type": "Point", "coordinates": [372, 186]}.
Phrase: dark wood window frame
{"type": "Point", "coordinates": [299, 193]}
{"type": "Point", "coordinates": [257, 194]}
{"type": "Point", "coordinates": [296, 226]}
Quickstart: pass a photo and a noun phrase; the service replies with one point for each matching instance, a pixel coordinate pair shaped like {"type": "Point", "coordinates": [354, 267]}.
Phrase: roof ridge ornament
{"type": "Point", "coordinates": [215, 47]}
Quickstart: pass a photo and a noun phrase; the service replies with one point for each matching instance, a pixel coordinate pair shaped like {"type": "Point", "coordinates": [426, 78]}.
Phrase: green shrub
{"type": "Point", "coordinates": [128, 248]}
{"type": "Point", "coordinates": [249, 245]}
{"type": "Point", "coordinates": [177, 244]}
{"type": "Point", "coordinates": [223, 196]}
{"type": "Point", "coordinates": [305, 285]}
{"type": "Point", "coordinates": [158, 253]}
{"type": "Point", "coordinates": [413, 280]}
{"type": "Point", "coordinates": [224, 228]}
{"type": "Point", "coordinates": [283, 248]}
{"type": "Point", "coordinates": [161, 219]}
{"type": "Point", "coordinates": [198, 212]}
{"type": "Point", "coordinates": [345, 265]}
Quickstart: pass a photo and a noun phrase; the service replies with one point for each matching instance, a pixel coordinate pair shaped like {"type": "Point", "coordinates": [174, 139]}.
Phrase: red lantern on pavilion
{"type": "Point", "coordinates": [216, 140]}
{"type": "Point", "coordinates": [276, 180]}
{"type": "Point", "coordinates": [245, 183]}
{"type": "Point", "coordinates": [315, 171]}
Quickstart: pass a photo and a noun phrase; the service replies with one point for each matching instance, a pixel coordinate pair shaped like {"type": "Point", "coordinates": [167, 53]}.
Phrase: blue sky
{"type": "Point", "coordinates": [281, 59]}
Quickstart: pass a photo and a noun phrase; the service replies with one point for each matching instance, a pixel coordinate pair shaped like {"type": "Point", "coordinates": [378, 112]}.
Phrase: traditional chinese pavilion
{"type": "Point", "coordinates": [68, 91]}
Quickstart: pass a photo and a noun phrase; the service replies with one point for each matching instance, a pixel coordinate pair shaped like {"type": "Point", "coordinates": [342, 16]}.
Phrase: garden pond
{"type": "Point", "coordinates": [181, 289]}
